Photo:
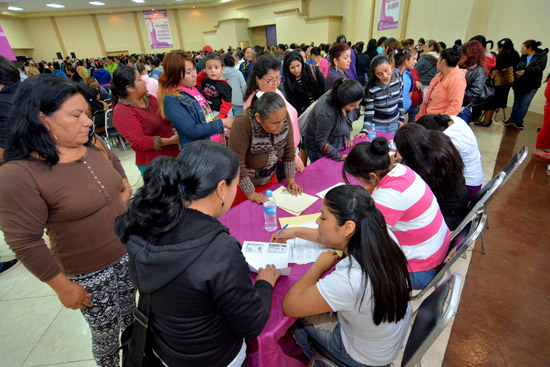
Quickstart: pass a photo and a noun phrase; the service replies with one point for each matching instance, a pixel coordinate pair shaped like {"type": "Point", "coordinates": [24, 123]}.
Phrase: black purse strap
{"type": "Point", "coordinates": [136, 353]}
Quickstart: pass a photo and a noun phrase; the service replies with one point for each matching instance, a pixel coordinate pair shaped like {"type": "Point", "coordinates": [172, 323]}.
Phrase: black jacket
{"type": "Point", "coordinates": [475, 82]}
{"type": "Point", "coordinates": [532, 77]}
{"type": "Point", "coordinates": [301, 94]}
{"type": "Point", "coordinates": [203, 301]}
{"type": "Point", "coordinates": [426, 67]}
{"type": "Point", "coordinates": [362, 65]}
{"type": "Point", "coordinates": [327, 123]}
{"type": "Point", "coordinates": [6, 101]}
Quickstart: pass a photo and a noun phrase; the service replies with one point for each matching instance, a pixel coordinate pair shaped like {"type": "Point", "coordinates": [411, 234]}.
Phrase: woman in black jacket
{"type": "Point", "coordinates": [474, 61]}
{"type": "Point", "coordinates": [528, 79]}
{"type": "Point", "coordinates": [329, 124]}
{"type": "Point", "coordinates": [304, 84]}
{"type": "Point", "coordinates": [362, 63]}
{"type": "Point", "coordinates": [203, 301]}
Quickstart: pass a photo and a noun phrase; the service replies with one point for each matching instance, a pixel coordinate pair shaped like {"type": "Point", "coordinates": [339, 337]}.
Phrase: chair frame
{"type": "Point", "coordinates": [472, 230]}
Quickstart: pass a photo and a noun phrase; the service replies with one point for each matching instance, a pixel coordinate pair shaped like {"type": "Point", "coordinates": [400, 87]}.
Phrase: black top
{"type": "Point", "coordinates": [362, 65]}
{"type": "Point", "coordinates": [303, 91]}
{"type": "Point", "coordinates": [532, 77]}
{"type": "Point", "coordinates": [215, 91]}
{"type": "Point", "coordinates": [203, 301]}
{"type": "Point", "coordinates": [6, 101]}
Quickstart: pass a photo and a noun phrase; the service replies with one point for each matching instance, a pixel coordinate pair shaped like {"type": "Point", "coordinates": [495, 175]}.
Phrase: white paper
{"type": "Point", "coordinates": [303, 252]}
{"type": "Point", "coordinates": [323, 193]}
{"type": "Point", "coordinates": [295, 205]}
{"type": "Point", "coordinates": [260, 254]}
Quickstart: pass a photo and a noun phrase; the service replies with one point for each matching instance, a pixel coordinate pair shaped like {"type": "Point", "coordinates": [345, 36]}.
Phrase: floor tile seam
{"type": "Point", "coordinates": [42, 336]}
{"type": "Point", "coordinates": [60, 363]}
{"type": "Point", "coordinates": [507, 340]}
{"type": "Point", "coordinates": [31, 297]}
{"type": "Point", "coordinates": [9, 290]}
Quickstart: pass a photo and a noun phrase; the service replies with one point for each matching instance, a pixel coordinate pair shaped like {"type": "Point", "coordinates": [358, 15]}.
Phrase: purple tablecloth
{"type": "Point", "coordinates": [274, 347]}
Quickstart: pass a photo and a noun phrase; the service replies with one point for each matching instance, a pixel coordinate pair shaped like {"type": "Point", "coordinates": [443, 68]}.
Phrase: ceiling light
{"type": "Point", "coordinates": [138, 1]}
{"type": "Point", "coordinates": [55, 6]}
{"type": "Point", "coordinates": [98, 3]}
{"type": "Point", "coordinates": [14, 8]}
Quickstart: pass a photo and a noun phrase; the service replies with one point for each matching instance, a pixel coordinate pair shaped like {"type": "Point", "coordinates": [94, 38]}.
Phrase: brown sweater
{"type": "Point", "coordinates": [251, 162]}
{"type": "Point", "coordinates": [76, 202]}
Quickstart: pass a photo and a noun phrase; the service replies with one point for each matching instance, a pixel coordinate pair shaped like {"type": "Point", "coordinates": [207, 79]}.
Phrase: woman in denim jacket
{"type": "Point", "coordinates": [181, 102]}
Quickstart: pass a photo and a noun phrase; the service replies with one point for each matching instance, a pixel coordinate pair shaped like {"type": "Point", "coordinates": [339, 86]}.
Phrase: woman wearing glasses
{"type": "Point", "coordinates": [266, 77]}
{"type": "Point", "coordinates": [261, 137]}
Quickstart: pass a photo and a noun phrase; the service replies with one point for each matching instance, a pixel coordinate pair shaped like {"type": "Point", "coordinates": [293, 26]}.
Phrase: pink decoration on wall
{"type": "Point", "coordinates": [389, 14]}
{"type": "Point", "coordinates": [158, 29]}
{"type": "Point", "coordinates": [5, 48]}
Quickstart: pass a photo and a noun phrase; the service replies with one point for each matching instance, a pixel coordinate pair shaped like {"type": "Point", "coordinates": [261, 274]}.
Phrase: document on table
{"type": "Point", "coordinates": [303, 252]}
{"type": "Point", "coordinates": [323, 193]}
{"type": "Point", "coordinates": [293, 204]}
{"type": "Point", "coordinates": [300, 221]}
{"type": "Point", "coordinates": [260, 254]}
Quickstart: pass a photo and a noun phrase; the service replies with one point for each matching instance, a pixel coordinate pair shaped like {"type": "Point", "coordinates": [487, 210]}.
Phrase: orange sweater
{"type": "Point", "coordinates": [445, 95]}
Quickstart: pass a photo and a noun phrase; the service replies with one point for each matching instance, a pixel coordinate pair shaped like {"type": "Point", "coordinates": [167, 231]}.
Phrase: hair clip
{"type": "Point", "coordinates": [259, 94]}
{"type": "Point", "coordinates": [182, 187]}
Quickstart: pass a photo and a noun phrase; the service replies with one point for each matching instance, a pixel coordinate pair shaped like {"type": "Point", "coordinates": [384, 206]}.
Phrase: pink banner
{"type": "Point", "coordinates": [158, 29]}
{"type": "Point", "coordinates": [5, 48]}
{"type": "Point", "coordinates": [389, 14]}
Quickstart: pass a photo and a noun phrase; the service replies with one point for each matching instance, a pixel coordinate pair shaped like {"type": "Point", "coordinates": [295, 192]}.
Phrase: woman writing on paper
{"type": "Point", "coordinates": [261, 137]}
{"type": "Point", "coordinates": [369, 289]}
{"type": "Point", "coordinates": [203, 302]}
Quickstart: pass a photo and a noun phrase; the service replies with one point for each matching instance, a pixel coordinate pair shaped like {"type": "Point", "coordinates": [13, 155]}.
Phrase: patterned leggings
{"type": "Point", "coordinates": [114, 297]}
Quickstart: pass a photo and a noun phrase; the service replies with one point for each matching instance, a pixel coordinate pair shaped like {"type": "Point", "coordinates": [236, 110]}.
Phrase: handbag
{"type": "Point", "coordinates": [487, 93]}
{"type": "Point", "coordinates": [504, 76]}
{"type": "Point", "coordinates": [136, 349]}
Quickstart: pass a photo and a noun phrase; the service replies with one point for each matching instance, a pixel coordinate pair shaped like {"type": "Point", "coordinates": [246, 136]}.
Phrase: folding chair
{"type": "Point", "coordinates": [514, 163]}
{"type": "Point", "coordinates": [111, 133]}
{"type": "Point", "coordinates": [431, 319]}
{"type": "Point", "coordinates": [479, 204]}
{"type": "Point", "coordinates": [459, 244]}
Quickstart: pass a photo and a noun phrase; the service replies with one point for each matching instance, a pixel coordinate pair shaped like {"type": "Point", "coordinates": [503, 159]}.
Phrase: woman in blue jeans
{"type": "Point", "coordinates": [369, 288]}
{"type": "Point", "coordinates": [528, 77]}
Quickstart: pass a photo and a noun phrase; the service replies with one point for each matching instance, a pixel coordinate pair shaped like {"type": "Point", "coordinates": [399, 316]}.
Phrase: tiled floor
{"type": "Point", "coordinates": [36, 330]}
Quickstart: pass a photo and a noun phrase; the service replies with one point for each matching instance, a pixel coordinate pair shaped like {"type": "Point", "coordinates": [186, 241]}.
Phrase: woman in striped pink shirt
{"type": "Point", "coordinates": [408, 205]}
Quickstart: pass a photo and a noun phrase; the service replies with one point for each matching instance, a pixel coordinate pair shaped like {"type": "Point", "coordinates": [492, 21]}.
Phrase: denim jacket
{"type": "Point", "coordinates": [188, 117]}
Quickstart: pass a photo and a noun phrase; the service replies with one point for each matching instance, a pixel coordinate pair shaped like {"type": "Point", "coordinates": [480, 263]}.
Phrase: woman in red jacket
{"type": "Point", "coordinates": [543, 138]}
{"type": "Point", "coordinates": [136, 117]}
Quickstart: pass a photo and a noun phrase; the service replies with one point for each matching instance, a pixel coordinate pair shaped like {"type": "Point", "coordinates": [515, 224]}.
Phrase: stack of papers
{"type": "Point", "coordinates": [295, 205]}
{"type": "Point", "coordinates": [260, 254]}
{"type": "Point", "coordinates": [323, 193]}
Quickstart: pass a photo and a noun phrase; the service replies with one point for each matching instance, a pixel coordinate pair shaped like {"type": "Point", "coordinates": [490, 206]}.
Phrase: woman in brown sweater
{"type": "Point", "coordinates": [55, 178]}
{"type": "Point", "coordinates": [261, 137]}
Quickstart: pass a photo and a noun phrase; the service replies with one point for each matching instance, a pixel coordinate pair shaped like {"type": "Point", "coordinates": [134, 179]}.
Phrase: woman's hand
{"type": "Point", "coordinates": [270, 274]}
{"type": "Point", "coordinates": [396, 158]}
{"type": "Point", "coordinates": [360, 135]}
{"type": "Point", "coordinates": [343, 158]}
{"type": "Point", "coordinates": [418, 85]}
{"type": "Point", "coordinates": [326, 260]}
{"type": "Point", "coordinates": [286, 235]}
{"type": "Point", "coordinates": [173, 140]}
{"type": "Point", "coordinates": [257, 197]}
{"type": "Point", "coordinates": [70, 294]}
{"type": "Point", "coordinates": [125, 192]}
{"type": "Point", "coordinates": [299, 164]}
{"type": "Point", "coordinates": [349, 144]}
{"type": "Point", "coordinates": [227, 122]}
{"type": "Point", "coordinates": [294, 188]}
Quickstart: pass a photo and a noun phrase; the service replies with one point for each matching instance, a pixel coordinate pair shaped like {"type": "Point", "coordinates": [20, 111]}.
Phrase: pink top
{"type": "Point", "coordinates": [151, 84]}
{"type": "Point", "coordinates": [194, 92]}
{"type": "Point", "coordinates": [291, 112]}
{"type": "Point", "coordinates": [324, 67]}
{"type": "Point", "coordinates": [413, 215]}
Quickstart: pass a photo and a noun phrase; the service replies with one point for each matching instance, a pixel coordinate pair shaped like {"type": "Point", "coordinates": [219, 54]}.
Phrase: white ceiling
{"type": "Point", "coordinates": [34, 6]}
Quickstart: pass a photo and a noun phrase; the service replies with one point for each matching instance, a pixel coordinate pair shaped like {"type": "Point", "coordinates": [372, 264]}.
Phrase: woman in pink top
{"type": "Point", "coordinates": [409, 207]}
{"type": "Point", "coordinates": [446, 91]}
{"type": "Point", "coordinates": [320, 61]}
{"type": "Point", "coordinates": [266, 77]}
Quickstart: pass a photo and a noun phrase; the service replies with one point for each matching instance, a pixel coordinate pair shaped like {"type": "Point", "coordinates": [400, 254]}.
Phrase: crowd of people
{"type": "Point", "coordinates": [211, 130]}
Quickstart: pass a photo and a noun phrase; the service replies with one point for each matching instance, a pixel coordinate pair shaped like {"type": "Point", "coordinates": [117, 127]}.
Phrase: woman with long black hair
{"type": "Point", "coordinates": [433, 156]}
{"type": "Point", "coordinates": [369, 289]}
{"type": "Point", "coordinates": [304, 83]}
{"type": "Point", "coordinates": [203, 301]}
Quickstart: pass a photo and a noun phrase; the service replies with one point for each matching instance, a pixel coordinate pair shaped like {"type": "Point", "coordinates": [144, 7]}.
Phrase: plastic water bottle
{"type": "Point", "coordinates": [270, 212]}
{"type": "Point", "coordinates": [371, 131]}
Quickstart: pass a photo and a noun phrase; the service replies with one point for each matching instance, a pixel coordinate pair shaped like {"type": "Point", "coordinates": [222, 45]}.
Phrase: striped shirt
{"type": "Point", "coordinates": [413, 215]}
{"type": "Point", "coordinates": [384, 103]}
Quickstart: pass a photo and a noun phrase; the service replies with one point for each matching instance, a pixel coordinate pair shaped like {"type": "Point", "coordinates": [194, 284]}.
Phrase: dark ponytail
{"type": "Point", "coordinates": [381, 259]}
{"type": "Point", "coordinates": [366, 158]}
{"type": "Point", "coordinates": [169, 184]}
{"type": "Point", "coordinates": [345, 91]}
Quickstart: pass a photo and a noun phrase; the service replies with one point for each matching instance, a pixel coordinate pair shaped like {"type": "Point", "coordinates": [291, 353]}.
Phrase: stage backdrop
{"type": "Point", "coordinates": [158, 29]}
{"type": "Point", "coordinates": [389, 14]}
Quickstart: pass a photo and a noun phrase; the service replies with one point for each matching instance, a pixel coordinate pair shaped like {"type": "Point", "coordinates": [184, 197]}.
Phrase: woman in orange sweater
{"type": "Point", "coordinates": [446, 91]}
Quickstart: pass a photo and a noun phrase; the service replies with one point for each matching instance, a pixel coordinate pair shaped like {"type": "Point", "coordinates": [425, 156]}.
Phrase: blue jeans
{"type": "Point", "coordinates": [387, 128]}
{"type": "Point", "coordinates": [303, 331]}
{"type": "Point", "coordinates": [420, 279]}
{"type": "Point", "coordinates": [413, 111]}
{"type": "Point", "coordinates": [237, 110]}
{"type": "Point", "coordinates": [522, 101]}
{"type": "Point", "coordinates": [313, 156]}
{"type": "Point", "coordinates": [465, 114]}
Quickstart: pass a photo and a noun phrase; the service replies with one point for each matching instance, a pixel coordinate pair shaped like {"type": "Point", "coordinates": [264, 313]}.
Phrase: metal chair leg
{"type": "Point", "coordinates": [482, 244]}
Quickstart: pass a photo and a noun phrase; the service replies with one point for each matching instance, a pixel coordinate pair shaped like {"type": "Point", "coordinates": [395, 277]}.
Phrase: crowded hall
{"type": "Point", "coordinates": [258, 183]}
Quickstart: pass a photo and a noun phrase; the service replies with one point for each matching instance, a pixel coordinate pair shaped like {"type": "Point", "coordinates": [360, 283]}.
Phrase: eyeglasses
{"type": "Point", "coordinates": [272, 81]}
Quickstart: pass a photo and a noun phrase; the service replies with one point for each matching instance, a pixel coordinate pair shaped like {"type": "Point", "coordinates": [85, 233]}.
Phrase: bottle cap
{"type": "Point", "coordinates": [269, 193]}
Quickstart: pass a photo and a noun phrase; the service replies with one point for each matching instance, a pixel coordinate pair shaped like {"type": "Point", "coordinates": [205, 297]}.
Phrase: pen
{"type": "Point", "coordinates": [282, 229]}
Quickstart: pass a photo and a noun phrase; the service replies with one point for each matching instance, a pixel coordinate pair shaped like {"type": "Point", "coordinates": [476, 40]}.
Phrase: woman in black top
{"type": "Point", "coordinates": [304, 84]}
{"type": "Point", "coordinates": [433, 156]}
{"type": "Point", "coordinates": [362, 63]}
{"type": "Point", "coordinates": [371, 49]}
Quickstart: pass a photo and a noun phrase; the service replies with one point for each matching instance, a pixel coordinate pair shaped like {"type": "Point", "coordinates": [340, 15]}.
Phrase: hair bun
{"type": "Point", "coordinates": [380, 146]}
{"type": "Point", "coordinates": [539, 43]}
